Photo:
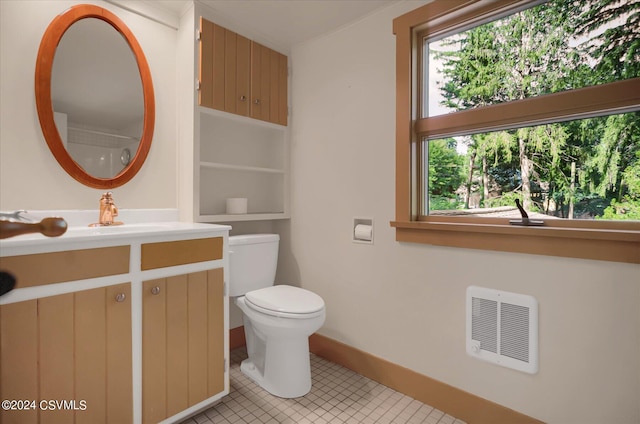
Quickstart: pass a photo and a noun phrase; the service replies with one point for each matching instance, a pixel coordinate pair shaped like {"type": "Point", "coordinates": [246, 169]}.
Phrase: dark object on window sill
{"type": "Point", "coordinates": [525, 221]}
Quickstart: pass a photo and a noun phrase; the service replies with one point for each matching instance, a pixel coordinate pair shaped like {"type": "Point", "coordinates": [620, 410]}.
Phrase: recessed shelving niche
{"type": "Point", "coordinates": [241, 157]}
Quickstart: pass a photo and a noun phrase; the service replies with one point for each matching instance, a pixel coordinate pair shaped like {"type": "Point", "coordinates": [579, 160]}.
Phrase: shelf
{"type": "Point", "coordinates": [243, 217]}
{"type": "Point", "coordinates": [244, 120]}
{"type": "Point", "coordinates": [231, 142]}
{"type": "Point", "coordinates": [240, 157]}
{"type": "Point", "coordinates": [265, 191]}
{"type": "Point", "coordinates": [215, 165]}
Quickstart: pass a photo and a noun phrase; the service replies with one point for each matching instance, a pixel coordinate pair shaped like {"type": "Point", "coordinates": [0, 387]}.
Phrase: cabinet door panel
{"type": "Point", "coordinates": [269, 76]}
{"type": "Point", "coordinates": [197, 334]}
{"type": "Point", "coordinates": [215, 305]}
{"type": "Point", "coordinates": [119, 365]}
{"type": "Point", "coordinates": [183, 343]}
{"type": "Point", "coordinates": [55, 321]}
{"type": "Point", "coordinates": [283, 90]}
{"type": "Point", "coordinates": [205, 94]}
{"type": "Point", "coordinates": [243, 75]}
{"type": "Point", "coordinates": [256, 80]}
{"type": "Point", "coordinates": [265, 82]}
{"type": "Point", "coordinates": [230, 71]}
{"type": "Point", "coordinates": [154, 352]}
{"type": "Point", "coordinates": [212, 74]}
{"type": "Point", "coordinates": [274, 95]}
{"type": "Point", "coordinates": [19, 358]}
{"type": "Point", "coordinates": [103, 369]}
{"type": "Point", "coordinates": [72, 347]}
{"type": "Point", "coordinates": [90, 320]}
{"type": "Point", "coordinates": [177, 347]}
{"type": "Point", "coordinates": [219, 41]}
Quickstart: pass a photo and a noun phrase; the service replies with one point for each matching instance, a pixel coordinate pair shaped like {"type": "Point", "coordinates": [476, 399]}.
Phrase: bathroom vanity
{"type": "Point", "coordinates": [123, 324]}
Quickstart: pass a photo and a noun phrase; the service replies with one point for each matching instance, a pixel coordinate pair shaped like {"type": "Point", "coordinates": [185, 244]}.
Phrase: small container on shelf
{"type": "Point", "coordinates": [236, 205]}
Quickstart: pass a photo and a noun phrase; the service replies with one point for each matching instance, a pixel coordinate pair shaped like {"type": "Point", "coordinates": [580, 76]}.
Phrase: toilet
{"type": "Point", "coordinates": [278, 320]}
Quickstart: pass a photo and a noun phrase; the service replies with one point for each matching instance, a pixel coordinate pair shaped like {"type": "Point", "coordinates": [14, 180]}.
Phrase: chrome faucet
{"type": "Point", "coordinates": [108, 211]}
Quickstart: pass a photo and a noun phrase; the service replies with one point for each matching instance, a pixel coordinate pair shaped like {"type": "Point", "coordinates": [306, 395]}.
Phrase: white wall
{"type": "Point", "coordinates": [30, 177]}
{"type": "Point", "coordinates": [405, 302]}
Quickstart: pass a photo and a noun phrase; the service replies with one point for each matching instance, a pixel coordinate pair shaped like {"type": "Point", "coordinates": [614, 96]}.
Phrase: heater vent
{"type": "Point", "coordinates": [502, 328]}
{"type": "Point", "coordinates": [484, 326]}
{"type": "Point", "coordinates": [514, 331]}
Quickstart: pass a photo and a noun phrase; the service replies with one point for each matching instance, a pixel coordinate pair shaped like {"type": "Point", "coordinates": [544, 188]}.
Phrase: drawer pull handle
{"type": "Point", "coordinates": [155, 290]}
{"type": "Point", "coordinates": [243, 98]}
{"type": "Point", "coordinates": [256, 101]}
{"type": "Point", "coordinates": [120, 297]}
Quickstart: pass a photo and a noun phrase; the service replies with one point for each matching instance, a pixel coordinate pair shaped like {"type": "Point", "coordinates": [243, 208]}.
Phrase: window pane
{"type": "Point", "coordinates": [583, 169]}
{"type": "Point", "coordinates": [553, 47]}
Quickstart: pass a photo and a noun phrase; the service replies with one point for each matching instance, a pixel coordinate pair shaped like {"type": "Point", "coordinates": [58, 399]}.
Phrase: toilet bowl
{"type": "Point", "coordinates": [278, 320]}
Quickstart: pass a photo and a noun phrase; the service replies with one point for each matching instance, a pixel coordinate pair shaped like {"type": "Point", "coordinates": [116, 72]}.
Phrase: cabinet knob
{"type": "Point", "coordinates": [256, 101]}
{"type": "Point", "coordinates": [120, 297]}
{"type": "Point", "coordinates": [243, 98]}
{"type": "Point", "coordinates": [155, 290]}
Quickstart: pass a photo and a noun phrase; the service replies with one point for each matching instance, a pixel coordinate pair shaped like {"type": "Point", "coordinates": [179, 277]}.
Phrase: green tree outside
{"type": "Point", "coordinates": [586, 168]}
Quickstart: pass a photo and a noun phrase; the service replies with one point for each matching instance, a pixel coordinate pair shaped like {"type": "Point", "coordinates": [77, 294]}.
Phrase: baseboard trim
{"type": "Point", "coordinates": [458, 403]}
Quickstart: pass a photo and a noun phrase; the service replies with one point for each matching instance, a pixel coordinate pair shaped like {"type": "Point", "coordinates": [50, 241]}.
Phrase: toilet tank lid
{"type": "Point", "coordinates": [253, 239]}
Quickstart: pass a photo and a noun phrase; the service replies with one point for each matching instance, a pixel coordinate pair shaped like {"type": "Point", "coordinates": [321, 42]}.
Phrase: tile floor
{"type": "Point", "coordinates": [338, 395]}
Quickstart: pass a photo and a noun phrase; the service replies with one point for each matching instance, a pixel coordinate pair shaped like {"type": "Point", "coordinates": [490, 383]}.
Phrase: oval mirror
{"type": "Point", "coordinates": [94, 96]}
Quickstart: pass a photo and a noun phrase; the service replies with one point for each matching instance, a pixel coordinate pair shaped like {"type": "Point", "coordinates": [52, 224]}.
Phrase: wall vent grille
{"type": "Point", "coordinates": [502, 328]}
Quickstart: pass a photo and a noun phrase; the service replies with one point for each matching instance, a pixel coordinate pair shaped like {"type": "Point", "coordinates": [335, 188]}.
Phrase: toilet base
{"type": "Point", "coordinates": [286, 375]}
{"type": "Point", "coordinates": [278, 350]}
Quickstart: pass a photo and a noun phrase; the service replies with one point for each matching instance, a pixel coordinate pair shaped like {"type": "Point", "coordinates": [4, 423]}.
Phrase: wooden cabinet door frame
{"type": "Point", "coordinates": [183, 353]}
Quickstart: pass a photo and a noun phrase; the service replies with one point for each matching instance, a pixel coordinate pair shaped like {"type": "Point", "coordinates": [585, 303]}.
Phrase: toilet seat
{"type": "Point", "coordinates": [286, 302]}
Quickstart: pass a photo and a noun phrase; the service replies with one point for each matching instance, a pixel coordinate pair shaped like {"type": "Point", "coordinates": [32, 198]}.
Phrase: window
{"type": "Point", "coordinates": [509, 100]}
{"type": "Point", "coordinates": [581, 169]}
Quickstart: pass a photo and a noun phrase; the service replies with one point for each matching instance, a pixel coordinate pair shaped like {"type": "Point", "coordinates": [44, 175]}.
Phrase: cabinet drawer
{"type": "Point", "coordinates": [182, 252]}
{"type": "Point", "coordinates": [70, 265]}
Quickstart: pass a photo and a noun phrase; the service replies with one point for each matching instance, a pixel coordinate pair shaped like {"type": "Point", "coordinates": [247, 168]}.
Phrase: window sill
{"type": "Point", "coordinates": [616, 245]}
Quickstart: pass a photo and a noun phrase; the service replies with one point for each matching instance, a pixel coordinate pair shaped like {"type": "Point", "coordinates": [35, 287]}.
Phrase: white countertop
{"type": "Point", "coordinates": [138, 225]}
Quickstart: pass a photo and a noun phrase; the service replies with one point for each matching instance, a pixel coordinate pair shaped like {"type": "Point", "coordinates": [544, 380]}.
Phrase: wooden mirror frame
{"type": "Point", "coordinates": [44, 104]}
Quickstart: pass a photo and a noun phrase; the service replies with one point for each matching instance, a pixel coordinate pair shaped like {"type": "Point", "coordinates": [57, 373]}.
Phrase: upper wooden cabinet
{"type": "Point", "coordinates": [240, 76]}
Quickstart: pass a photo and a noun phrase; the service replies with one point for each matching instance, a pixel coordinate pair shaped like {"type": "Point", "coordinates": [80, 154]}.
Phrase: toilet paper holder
{"type": "Point", "coordinates": [362, 230]}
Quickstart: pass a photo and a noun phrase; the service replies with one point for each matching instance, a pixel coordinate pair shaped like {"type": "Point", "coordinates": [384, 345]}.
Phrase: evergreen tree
{"type": "Point", "coordinates": [521, 56]}
{"type": "Point", "coordinates": [532, 53]}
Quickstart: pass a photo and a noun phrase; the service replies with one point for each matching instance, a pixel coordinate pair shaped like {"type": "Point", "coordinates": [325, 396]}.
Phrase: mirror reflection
{"type": "Point", "coordinates": [97, 97]}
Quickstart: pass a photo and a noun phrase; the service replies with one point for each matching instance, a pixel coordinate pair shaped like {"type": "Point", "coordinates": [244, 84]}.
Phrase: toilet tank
{"type": "Point", "coordinates": [253, 259]}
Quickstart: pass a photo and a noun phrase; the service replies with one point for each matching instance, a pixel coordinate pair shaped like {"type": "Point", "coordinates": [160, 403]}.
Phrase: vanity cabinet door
{"type": "Point", "coordinates": [182, 342]}
{"type": "Point", "coordinates": [74, 349]}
